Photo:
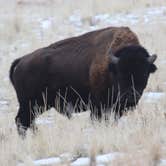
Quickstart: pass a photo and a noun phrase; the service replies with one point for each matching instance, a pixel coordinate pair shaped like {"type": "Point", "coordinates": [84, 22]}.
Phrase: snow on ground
{"type": "Point", "coordinates": [82, 161]}
{"type": "Point", "coordinates": [146, 16]}
{"type": "Point", "coordinates": [154, 97]}
{"type": "Point", "coordinates": [4, 104]}
{"type": "Point", "coordinates": [48, 161]}
{"type": "Point", "coordinates": [48, 119]}
{"type": "Point", "coordinates": [101, 160]}
{"type": "Point", "coordinates": [102, 19]}
{"type": "Point", "coordinates": [162, 162]}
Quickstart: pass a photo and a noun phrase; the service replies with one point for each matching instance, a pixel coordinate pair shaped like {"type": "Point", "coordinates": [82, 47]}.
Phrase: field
{"type": "Point", "coordinates": [138, 138]}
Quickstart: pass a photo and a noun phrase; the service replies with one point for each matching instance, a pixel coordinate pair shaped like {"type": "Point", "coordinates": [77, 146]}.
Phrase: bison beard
{"type": "Point", "coordinates": [107, 68]}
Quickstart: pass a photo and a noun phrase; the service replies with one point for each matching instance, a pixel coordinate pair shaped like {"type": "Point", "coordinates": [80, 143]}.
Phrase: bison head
{"type": "Point", "coordinates": [130, 68]}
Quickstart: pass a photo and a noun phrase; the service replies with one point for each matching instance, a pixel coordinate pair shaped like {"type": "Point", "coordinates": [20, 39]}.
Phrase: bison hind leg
{"type": "Point", "coordinates": [25, 119]}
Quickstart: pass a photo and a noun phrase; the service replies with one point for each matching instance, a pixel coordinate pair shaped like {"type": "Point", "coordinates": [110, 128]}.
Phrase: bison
{"type": "Point", "coordinates": [95, 69]}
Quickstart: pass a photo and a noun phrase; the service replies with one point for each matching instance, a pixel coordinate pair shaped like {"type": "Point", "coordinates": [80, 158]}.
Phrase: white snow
{"type": "Point", "coordinates": [47, 119]}
{"type": "Point", "coordinates": [107, 157]}
{"type": "Point", "coordinates": [162, 162]}
{"type": "Point", "coordinates": [101, 17]}
{"type": "Point", "coordinates": [4, 102]}
{"type": "Point", "coordinates": [75, 18]}
{"type": "Point", "coordinates": [47, 161]}
{"type": "Point", "coordinates": [153, 96]}
{"type": "Point", "coordinates": [82, 161]}
{"type": "Point", "coordinates": [101, 160]}
{"type": "Point", "coordinates": [43, 121]}
{"type": "Point", "coordinates": [46, 23]}
{"type": "Point", "coordinates": [118, 19]}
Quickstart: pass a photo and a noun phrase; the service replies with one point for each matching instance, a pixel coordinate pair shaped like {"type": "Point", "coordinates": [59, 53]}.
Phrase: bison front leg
{"type": "Point", "coordinates": [95, 108]}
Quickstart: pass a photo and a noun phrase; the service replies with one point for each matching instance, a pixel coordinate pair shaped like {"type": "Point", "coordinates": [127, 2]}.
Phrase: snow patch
{"type": "Point", "coordinates": [3, 102]}
{"type": "Point", "coordinates": [107, 157]}
{"type": "Point", "coordinates": [123, 18]}
{"type": "Point", "coordinates": [46, 23]}
{"type": "Point", "coordinates": [48, 161]}
{"type": "Point", "coordinates": [43, 121]}
{"type": "Point", "coordinates": [100, 160]}
{"type": "Point", "coordinates": [75, 18]}
{"type": "Point", "coordinates": [81, 162]}
{"type": "Point", "coordinates": [153, 96]}
{"type": "Point", "coordinates": [162, 162]}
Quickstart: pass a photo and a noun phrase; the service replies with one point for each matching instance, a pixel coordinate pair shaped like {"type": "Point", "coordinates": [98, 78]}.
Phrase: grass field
{"type": "Point", "coordinates": [140, 136]}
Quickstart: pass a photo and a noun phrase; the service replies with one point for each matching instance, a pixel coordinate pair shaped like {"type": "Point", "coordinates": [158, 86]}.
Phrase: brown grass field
{"type": "Point", "coordinates": [26, 25]}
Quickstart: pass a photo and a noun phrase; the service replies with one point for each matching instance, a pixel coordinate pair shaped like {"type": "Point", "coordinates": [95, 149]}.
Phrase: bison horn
{"type": "Point", "coordinates": [152, 58]}
{"type": "Point", "coordinates": [114, 59]}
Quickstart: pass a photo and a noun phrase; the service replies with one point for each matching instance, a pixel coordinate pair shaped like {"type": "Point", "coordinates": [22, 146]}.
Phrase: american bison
{"type": "Point", "coordinates": [98, 69]}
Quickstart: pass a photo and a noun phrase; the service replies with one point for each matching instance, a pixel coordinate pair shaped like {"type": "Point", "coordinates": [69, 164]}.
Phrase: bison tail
{"type": "Point", "coordinates": [12, 70]}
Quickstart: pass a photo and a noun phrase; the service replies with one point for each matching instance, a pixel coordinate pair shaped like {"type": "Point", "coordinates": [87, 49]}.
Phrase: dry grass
{"type": "Point", "coordinates": [140, 134]}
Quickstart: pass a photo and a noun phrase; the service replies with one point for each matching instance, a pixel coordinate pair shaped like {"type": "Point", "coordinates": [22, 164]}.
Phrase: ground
{"type": "Point", "coordinates": [139, 138]}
